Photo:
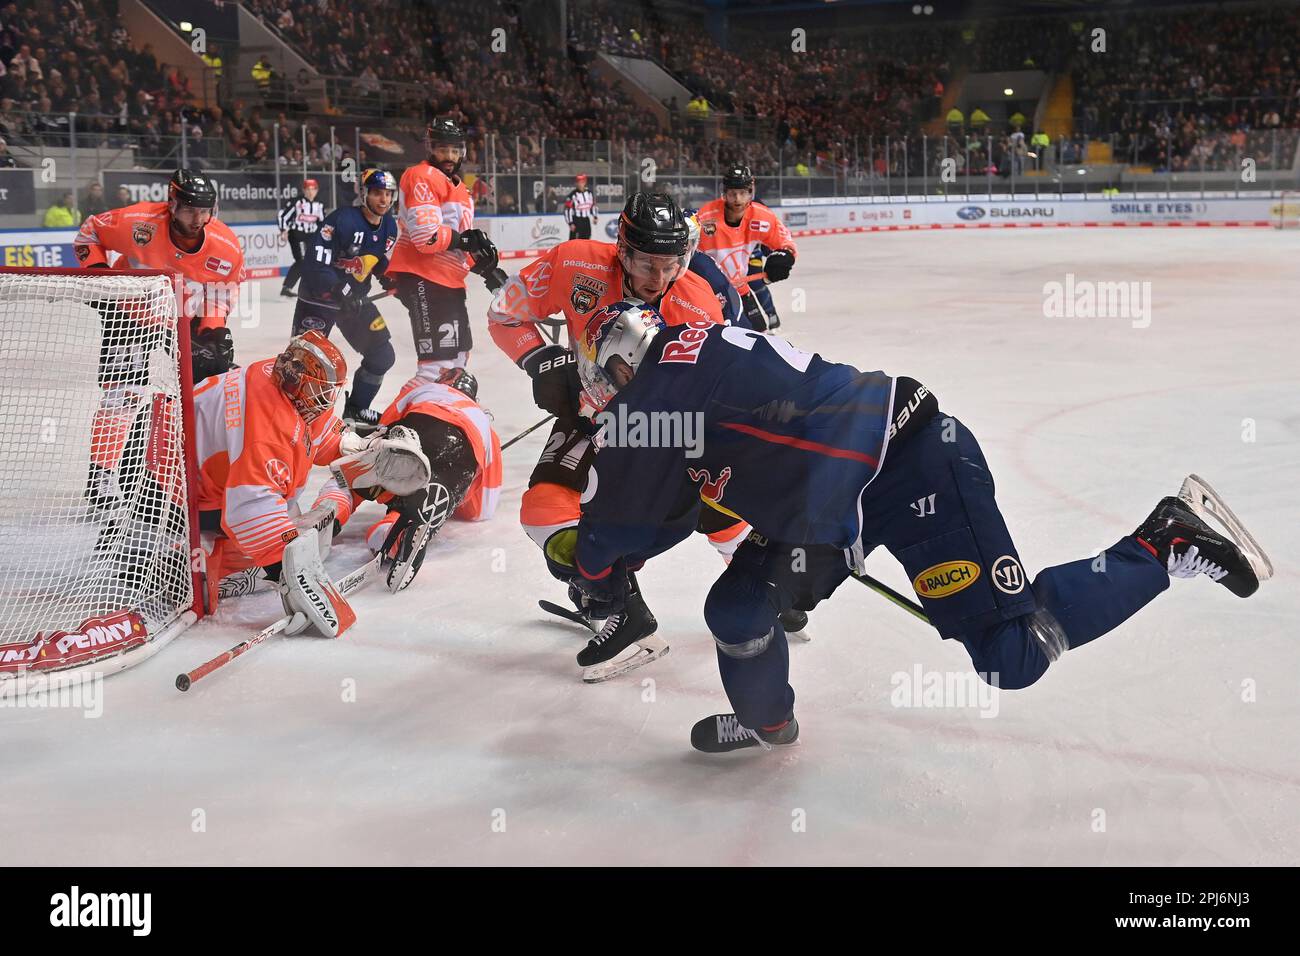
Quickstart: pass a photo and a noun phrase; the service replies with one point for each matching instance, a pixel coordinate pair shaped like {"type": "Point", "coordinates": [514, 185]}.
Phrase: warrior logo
{"type": "Point", "coordinates": [142, 233]}
{"type": "Point", "coordinates": [1008, 576]}
{"type": "Point", "coordinates": [710, 489]}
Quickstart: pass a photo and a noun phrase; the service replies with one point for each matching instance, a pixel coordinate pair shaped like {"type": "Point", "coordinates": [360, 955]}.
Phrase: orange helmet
{"type": "Point", "coordinates": [310, 371]}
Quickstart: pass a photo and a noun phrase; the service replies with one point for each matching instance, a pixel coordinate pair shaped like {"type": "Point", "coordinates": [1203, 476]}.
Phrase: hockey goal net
{"type": "Point", "coordinates": [1286, 211]}
{"type": "Point", "coordinates": [97, 526]}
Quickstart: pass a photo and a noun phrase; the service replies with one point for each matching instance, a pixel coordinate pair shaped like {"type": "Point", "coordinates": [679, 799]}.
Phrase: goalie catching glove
{"type": "Point", "coordinates": [394, 462]}
{"type": "Point", "coordinates": [309, 596]}
{"type": "Point", "coordinates": [419, 516]}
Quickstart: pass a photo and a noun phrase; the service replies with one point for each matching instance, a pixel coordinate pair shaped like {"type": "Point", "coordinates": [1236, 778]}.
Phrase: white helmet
{"type": "Point", "coordinates": [617, 335]}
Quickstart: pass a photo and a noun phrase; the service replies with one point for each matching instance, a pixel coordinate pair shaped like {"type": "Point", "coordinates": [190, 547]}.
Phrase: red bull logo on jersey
{"type": "Point", "coordinates": [709, 488]}
{"type": "Point", "coordinates": [946, 579]}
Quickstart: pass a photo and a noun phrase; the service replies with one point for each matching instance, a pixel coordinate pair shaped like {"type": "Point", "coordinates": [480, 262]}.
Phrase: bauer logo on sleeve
{"type": "Point", "coordinates": [945, 580]}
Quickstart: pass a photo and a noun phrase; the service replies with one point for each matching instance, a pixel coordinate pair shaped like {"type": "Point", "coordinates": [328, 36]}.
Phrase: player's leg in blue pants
{"type": "Point", "coordinates": [932, 506]}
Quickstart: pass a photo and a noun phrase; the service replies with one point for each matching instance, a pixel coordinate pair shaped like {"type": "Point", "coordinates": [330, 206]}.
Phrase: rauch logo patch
{"type": "Point", "coordinates": [944, 580]}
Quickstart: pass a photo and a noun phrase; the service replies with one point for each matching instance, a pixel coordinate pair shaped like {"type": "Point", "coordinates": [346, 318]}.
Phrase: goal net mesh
{"type": "Point", "coordinates": [94, 510]}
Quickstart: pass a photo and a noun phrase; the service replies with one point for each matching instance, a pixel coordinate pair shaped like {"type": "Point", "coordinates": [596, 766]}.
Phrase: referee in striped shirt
{"type": "Point", "coordinates": [580, 209]}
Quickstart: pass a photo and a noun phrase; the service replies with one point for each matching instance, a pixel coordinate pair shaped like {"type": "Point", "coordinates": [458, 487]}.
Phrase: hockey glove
{"type": "Point", "coordinates": [419, 516]}
{"type": "Point", "coordinates": [779, 264]}
{"type": "Point", "coordinates": [603, 597]}
{"type": "Point", "coordinates": [495, 280]}
{"type": "Point", "coordinates": [754, 312]}
{"type": "Point", "coordinates": [386, 282]}
{"type": "Point", "coordinates": [212, 352]}
{"type": "Point", "coordinates": [344, 296]}
{"type": "Point", "coordinates": [554, 371]}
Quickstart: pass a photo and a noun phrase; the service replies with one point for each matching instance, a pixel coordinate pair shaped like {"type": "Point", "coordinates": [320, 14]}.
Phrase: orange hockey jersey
{"type": "Point", "coordinates": [432, 207]}
{"type": "Point", "coordinates": [139, 235]}
{"type": "Point", "coordinates": [456, 408]}
{"type": "Point", "coordinates": [731, 247]}
{"type": "Point", "coordinates": [255, 453]}
{"type": "Point", "coordinates": [578, 278]}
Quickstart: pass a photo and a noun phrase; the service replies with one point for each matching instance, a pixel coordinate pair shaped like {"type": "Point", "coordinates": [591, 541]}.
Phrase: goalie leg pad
{"type": "Point", "coordinates": [306, 589]}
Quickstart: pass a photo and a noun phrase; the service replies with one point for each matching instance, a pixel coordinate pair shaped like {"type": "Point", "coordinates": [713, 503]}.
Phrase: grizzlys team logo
{"type": "Point", "coordinates": [586, 292]}
{"type": "Point", "coordinates": [710, 489]}
{"type": "Point", "coordinates": [945, 580]}
{"type": "Point", "coordinates": [142, 233]}
{"type": "Point", "coordinates": [279, 474]}
{"type": "Point", "coordinates": [708, 227]}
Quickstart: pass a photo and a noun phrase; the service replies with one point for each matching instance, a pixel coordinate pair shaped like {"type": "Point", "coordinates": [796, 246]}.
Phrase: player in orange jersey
{"type": "Point", "coordinates": [437, 247]}
{"type": "Point", "coordinates": [581, 278]}
{"type": "Point", "coordinates": [181, 235]}
{"type": "Point", "coordinates": [464, 455]}
{"type": "Point", "coordinates": [746, 238]}
{"type": "Point", "coordinates": [258, 432]}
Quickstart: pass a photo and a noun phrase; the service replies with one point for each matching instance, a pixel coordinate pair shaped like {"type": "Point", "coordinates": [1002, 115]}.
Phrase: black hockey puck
{"type": "Point", "coordinates": [182, 681]}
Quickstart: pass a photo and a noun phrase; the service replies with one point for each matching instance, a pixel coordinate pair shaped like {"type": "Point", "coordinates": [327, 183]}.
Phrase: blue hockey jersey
{"type": "Point", "coordinates": [346, 247]}
{"type": "Point", "coordinates": [764, 430]}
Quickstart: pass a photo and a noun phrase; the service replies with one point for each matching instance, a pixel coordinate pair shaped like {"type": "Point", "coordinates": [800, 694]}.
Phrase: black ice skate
{"type": "Point", "coordinates": [361, 420]}
{"type": "Point", "coordinates": [793, 623]}
{"type": "Point", "coordinates": [723, 733]}
{"type": "Point", "coordinates": [1187, 545]}
{"type": "Point", "coordinates": [627, 641]}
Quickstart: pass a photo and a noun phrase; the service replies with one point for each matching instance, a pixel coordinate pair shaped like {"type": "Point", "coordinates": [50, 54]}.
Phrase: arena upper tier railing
{"type": "Point", "coordinates": [510, 174]}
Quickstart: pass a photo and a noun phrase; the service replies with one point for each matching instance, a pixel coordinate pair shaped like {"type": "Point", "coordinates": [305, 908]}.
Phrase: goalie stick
{"type": "Point", "coordinates": [347, 586]}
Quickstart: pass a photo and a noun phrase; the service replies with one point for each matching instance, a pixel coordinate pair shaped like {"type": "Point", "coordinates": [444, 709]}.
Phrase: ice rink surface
{"type": "Point", "coordinates": [472, 740]}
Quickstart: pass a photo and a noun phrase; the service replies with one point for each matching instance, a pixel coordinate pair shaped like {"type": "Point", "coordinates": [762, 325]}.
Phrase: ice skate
{"type": "Point", "coordinates": [627, 641]}
{"type": "Point", "coordinates": [723, 733]}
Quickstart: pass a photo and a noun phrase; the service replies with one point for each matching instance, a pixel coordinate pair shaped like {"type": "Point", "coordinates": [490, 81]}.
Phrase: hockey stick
{"type": "Point", "coordinates": [568, 615]}
{"type": "Point", "coordinates": [890, 594]}
{"type": "Point", "coordinates": [527, 431]}
{"type": "Point", "coordinates": [349, 585]}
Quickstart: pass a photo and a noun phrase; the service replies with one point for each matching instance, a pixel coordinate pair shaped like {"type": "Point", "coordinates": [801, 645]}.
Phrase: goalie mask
{"type": "Point", "coordinates": [611, 347]}
{"type": "Point", "coordinates": [310, 371]}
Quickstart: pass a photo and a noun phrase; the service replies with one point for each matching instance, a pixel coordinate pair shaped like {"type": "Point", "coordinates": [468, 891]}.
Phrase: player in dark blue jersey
{"type": "Point", "coordinates": [352, 247]}
{"type": "Point", "coordinates": [827, 463]}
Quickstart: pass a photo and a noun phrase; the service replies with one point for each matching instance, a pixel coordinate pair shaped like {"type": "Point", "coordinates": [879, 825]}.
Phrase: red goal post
{"type": "Point", "coordinates": [100, 564]}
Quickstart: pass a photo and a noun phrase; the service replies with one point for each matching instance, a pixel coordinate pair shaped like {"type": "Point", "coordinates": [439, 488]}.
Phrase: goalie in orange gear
{"type": "Point", "coordinates": [259, 430]}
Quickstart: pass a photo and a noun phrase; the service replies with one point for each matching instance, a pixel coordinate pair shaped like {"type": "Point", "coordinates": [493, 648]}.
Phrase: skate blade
{"type": "Point", "coordinates": [1207, 503]}
{"type": "Point", "coordinates": [646, 650]}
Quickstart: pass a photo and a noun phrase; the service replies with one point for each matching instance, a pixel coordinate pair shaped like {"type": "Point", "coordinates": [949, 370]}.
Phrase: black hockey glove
{"type": "Point", "coordinates": [386, 282]}
{"type": "Point", "coordinates": [212, 352]}
{"type": "Point", "coordinates": [495, 279]}
{"type": "Point", "coordinates": [554, 371]}
{"type": "Point", "coordinates": [345, 296]}
{"type": "Point", "coordinates": [484, 253]}
{"type": "Point", "coordinates": [419, 516]}
{"type": "Point", "coordinates": [778, 265]}
{"type": "Point", "coordinates": [754, 312]}
{"type": "Point", "coordinates": [605, 596]}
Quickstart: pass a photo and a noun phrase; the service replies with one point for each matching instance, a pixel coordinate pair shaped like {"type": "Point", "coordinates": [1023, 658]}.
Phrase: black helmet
{"type": "Point", "coordinates": [652, 223]}
{"type": "Point", "coordinates": [461, 380]}
{"type": "Point", "coordinates": [445, 130]}
{"type": "Point", "coordinates": [737, 176]}
{"type": "Point", "coordinates": [192, 188]}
